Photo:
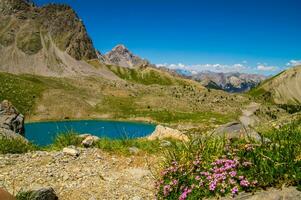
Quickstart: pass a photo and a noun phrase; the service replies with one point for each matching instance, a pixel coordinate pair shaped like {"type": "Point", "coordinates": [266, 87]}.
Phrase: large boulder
{"type": "Point", "coordinates": [11, 119]}
{"type": "Point", "coordinates": [235, 130]}
{"type": "Point", "coordinates": [162, 132]}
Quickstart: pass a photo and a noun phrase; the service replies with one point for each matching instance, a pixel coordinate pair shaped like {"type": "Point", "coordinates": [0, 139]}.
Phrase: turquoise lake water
{"type": "Point", "coordinates": [43, 133]}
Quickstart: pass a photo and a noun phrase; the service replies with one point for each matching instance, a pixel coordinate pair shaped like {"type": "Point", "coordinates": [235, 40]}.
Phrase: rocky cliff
{"type": "Point", "coordinates": [50, 40]}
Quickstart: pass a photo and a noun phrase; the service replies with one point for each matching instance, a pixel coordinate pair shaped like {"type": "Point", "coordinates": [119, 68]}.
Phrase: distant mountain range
{"type": "Point", "coordinates": [230, 82]}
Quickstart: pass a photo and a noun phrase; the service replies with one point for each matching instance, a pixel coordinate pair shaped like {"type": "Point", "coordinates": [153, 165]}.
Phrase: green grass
{"type": "Point", "coordinates": [16, 146]}
{"type": "Point", "coordinates": [125, 107]}
{"type": "Point", "coordinates": [20, 91]}
{"type": "Point", "coordinates": [262, 164]}
{"type": "Point", "coordinates": [64, 140]}
{"type": "Point", "coordinates": [145, 76]}
{"type": "Point", "coordinates": [24, 90]}
{"type": "Point", "coordinates": [117, 146]}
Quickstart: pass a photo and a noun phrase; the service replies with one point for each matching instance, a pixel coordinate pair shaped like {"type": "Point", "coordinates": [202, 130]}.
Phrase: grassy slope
{"type": "Point", "coordinates": [170, 101]}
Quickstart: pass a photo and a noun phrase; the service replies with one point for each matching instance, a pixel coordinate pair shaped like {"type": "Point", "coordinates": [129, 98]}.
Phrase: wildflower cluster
{"type": "Point", "coordinates": [221, 177]}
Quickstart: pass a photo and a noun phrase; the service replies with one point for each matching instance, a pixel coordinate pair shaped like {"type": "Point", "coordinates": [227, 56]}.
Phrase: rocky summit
{"type": "Point", "coordinates": [121, 56]}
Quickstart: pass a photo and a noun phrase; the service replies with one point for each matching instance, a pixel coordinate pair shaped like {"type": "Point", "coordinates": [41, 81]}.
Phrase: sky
{"type": "Point", "coordinates": [253, 36]}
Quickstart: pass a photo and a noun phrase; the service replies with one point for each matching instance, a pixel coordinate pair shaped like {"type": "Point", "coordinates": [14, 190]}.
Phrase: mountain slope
{"type": "Point", "coordinates": [284, 88]}
{"type": "Point", "coordinates": [49, 40]}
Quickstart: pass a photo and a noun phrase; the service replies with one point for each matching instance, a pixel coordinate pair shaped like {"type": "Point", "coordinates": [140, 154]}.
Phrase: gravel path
{"type": "Point", "coordinates": [93, 175]}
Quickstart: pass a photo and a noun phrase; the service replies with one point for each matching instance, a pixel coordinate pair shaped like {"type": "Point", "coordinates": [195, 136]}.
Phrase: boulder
{"type": "Point", "coordinates": [162, 132]}
{"type": "Point", "coordinates": [89, 140]}
{"type": "Point", "coordinates": [71, 150]}
{"type": "Point", "coordinates": [286, 193]}
{"type": "Point", "coordinates": [4, 195]}
{"type": "Point", "coordinates": [11, 119]}
{"type": "Point", "coordinates": [235, 130]}
{"type": "Point", "coordinates": [134, 150]}
{"type": "Point", "coordinates": [39, 194]}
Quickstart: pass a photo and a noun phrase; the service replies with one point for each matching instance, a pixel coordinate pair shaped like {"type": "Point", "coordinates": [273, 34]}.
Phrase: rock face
{"type": "Point", "coordinates": [10, 119]}
{"type": "Point", "coordinates": [162, 132]}
{"type": "Point", "coordinates": [50, 41]}
{"type": "Point", "coordinates": [121, 56]}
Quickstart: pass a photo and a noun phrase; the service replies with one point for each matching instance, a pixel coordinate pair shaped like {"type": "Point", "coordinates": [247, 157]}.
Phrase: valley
{"type": "Point", "coordinates": [215, 135]}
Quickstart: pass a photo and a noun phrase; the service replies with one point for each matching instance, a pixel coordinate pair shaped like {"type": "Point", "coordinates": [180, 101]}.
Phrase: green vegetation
{"type": "Point", "coordinates": [216, 167]}
{"type": "Point", "coordinates": [16, 146]}
{"type": "Point", "coordinates": [145, 76]}
{"type": "Point", "coordinates": [29, 40]}
{"type": "Point", "coordinates": [124, 107]}
{"type": "Point", "coordinates": [20, 91]}
{"type": "Point", "coordinates": [119, 146]}
{"type": "Point", "coordinates": [65, 140]}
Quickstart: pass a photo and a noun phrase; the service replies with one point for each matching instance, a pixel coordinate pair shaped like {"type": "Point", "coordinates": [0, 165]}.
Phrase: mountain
{"type": "Point", "coordinates": [50, 40]}
{"type": "Point", "coordinates": [284, 88]}
{"type": "Point", "coordinates": [229, 82]}
{"type": "Point", "coordinates": [121, 56]}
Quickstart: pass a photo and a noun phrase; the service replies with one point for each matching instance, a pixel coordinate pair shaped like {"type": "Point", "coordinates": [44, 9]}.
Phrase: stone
{"type": "Point", "coordinates": [165, 143]}
{"type": "Point", "coordinates": [41, 194]}
{"type": "Point", "coordinates": [71, 150]}
{"type": "Point", "coordinates": [235, 130]}
{"type": "Point", "coordinates": [4, 195]}
{"type": "Point", "coordinates": [162, 132]}
{"type": "Point", "coordinates": [134, 150]}
{"type": "Point", "coordinates": [11, 119]}
{"type": "Point", "coordinates": [90, 140]}
{"type": "Point", "coordinates": [287, 193]}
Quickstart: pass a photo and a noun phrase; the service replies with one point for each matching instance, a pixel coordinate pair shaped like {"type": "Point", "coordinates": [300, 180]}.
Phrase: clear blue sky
{"type": "Point", "coordinates": [261, 35]}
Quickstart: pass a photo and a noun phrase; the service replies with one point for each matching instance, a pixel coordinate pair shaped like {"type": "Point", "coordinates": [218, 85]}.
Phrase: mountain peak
{"type": "Point", "coordinates": [121, 56]}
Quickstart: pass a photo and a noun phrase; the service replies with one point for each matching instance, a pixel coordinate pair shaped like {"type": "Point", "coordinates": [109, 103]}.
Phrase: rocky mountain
{"type": "Point", "coordinates": [121, 56]}
{"type": "Point", "coordinates": [284, 88]}
{"type": "Point", "coordinates": [230, 82]}
{"type": "Point", "coordinates": [50, 40]}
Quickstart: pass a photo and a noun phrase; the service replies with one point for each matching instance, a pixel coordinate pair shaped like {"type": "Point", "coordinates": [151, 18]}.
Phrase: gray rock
{"type": "Point", "coordinates": [71, 150]}
{"type": "Point", "coordinates": [235, 130]}
{"type": "Point", "coordinates": [11, 119]}
{"type": "Point", "coordinates": [90, 140]}
{"type": "Point", "coordinates": [40, 194]}
{"type": "Point", "coordinates": [289, 193]}
{"type": "Point", "coordinates": [134, 150]}
{"type": "Point", "coordinates": [165, 143]}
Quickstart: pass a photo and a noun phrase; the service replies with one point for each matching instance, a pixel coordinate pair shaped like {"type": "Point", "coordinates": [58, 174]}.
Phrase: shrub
{"type": "Point", "coordinates": [65, 140]}
{"type": "Point", "coordinates": [15, 146]}
{"type": "Point", "coordinates": [216, 167]}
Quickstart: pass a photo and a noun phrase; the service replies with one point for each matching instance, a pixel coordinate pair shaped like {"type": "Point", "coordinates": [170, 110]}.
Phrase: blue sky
{"type": "Point", "coordinates": [258, 36]}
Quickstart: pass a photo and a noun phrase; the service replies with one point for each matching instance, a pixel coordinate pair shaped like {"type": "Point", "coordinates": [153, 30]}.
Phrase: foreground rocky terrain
{"type": "Point", "coordinates": [94, 174]}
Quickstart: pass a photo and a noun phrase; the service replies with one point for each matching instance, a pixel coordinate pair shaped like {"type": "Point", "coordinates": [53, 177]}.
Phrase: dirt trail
{"type": "Point", "coordinates": [248, 117]}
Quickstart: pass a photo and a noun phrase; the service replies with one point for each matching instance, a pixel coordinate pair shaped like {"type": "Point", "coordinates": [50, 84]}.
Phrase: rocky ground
{"type": "Point", "coordinates": [94, 174]}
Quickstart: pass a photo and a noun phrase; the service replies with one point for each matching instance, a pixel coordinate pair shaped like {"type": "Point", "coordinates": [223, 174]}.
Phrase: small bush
{"type": "Point", "coordinates": [65, 140]}
{"type": "Point", "coordinates": [15, 146]}
{"type": "Point", "coordinates": [122, 145]}
{"type": "Point", "coordinates": [216, 167]}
